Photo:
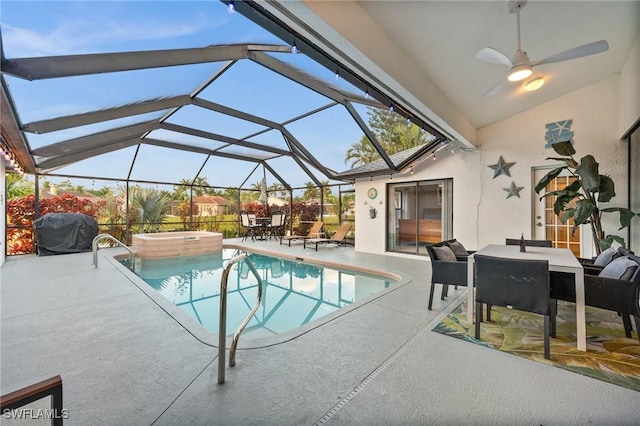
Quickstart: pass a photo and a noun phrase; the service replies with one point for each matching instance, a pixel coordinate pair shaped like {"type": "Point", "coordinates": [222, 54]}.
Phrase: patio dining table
{"type": "Point", "coordinates": [262, 223]}
{"type": "Point", "coordinates": [560, 259]}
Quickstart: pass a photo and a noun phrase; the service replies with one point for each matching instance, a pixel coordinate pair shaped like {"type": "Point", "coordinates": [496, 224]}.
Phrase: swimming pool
{"type": "Point", "coordinates": [295, 293]}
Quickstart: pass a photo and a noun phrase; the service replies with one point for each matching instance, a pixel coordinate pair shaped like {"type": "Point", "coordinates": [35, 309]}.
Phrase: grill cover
{"type": "Point", "coordinates": [63, 233]}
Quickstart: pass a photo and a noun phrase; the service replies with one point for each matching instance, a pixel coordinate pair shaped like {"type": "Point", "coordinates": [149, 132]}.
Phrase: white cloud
{"type": "Point", "coordinates": [81, 36]}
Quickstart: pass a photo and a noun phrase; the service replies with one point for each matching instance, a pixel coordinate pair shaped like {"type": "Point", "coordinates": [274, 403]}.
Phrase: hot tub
{"type": "Point", "coordinates": [173, 244]}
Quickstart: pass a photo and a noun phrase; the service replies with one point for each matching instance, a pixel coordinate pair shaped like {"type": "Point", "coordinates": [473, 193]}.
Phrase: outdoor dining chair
{"type": "Point", "coordinates": [275, 227]}
{"type": "Point", "coordinates": [446, 269]}
{"type": "Point", "coordinates": [248, 226]}
{"type": "Point", "coordinates": [514, 284]}
{"type": "Point", "coordinates": [614, 288]}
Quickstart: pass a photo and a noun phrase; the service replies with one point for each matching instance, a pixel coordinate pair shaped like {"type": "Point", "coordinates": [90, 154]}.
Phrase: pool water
{"type": "Point", "coordinates": [294, 293]}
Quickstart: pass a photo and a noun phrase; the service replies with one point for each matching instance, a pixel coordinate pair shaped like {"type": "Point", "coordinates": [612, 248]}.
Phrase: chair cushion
{"type": "Point", "coordinates": [605, 257]}
{"type": "Point", "coordinates": [457, 248]}
{"type": "Point", "coordinates": [621, 268]}
{"type": "Point", "coordinates": [444, 253]}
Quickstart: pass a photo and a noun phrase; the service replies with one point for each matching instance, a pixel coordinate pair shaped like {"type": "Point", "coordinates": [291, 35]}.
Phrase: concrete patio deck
{"type": "Point", "coordinates": [125, 360]}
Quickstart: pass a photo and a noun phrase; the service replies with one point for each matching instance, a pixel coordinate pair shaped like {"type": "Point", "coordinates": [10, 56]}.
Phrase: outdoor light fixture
{"type": "Point", "coordinates": [294, 48]}
{"type": "Point", "coordinates": [337, 72]}
{"type": "Point", "coordinates": [366, 94]}
{"type": "Point", "coordinates": [391, 107]}
{"type": "Point", "coordinates": [10, 158]}
{"type": "Point", "coordinates": [534, 84]}
{"type": "Point", "coordinates": [232, 7]}
{"type": "Point", "coordinates": [520, 72]}
{"type": "Point", "coordinates": [409, 121]}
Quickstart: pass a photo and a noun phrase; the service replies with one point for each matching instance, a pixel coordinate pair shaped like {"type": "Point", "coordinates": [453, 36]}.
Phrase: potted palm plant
{"type": "Point", "coordinates": [579, 201]}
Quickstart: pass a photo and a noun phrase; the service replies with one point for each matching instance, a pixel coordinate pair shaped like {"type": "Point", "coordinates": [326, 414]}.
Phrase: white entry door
{"type": "Point", "coordinates": [548, 226]}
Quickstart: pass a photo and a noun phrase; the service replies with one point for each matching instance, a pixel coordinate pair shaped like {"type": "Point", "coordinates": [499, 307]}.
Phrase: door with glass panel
{"type": "Point", "coordinates": [548, 226]}
{"type": "Point", "coordinates": [419, 213]}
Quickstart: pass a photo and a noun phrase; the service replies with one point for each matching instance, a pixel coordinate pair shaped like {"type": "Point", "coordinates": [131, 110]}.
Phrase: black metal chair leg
{"type": "Point", "coordinates": [553, 307]}
{"type": "Point", "coordinates": [433, 287]}
{"type": "Point", "coordinates": [637, 321]}
{"type": "Point", "coordinates": [488, 313]}
{"type": "Point", "coordinates": [547, 351]}
{"type": "Point", "coordinates": [478, 319]}
{"type": "Point", "coordinates": [445, 291]}
{"type": "Point", "coordinates": [626, 321]}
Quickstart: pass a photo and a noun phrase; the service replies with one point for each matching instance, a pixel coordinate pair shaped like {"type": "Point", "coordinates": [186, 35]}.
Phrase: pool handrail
{"type": "Point", "coordinates": [222, 332]}
{"type": "Point", "coordinates": [37, 391]}
{"type": "Point", "coordinates": [132, 254]}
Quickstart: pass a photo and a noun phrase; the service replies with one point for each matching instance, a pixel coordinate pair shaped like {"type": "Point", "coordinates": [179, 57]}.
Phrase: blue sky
{"type": "Point", "coordinates": [51, 28]}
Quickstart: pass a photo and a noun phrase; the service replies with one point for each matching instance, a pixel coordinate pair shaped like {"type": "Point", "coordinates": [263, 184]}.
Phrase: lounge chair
{"type": "Point", "coordinates": [315, 231]}
{"type": "Point", "coordinates": [339, 238]}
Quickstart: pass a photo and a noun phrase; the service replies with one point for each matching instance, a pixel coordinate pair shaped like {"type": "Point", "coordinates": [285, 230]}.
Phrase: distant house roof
{"type": "Point", "coordinates": [46, 195]}
{"type": "Point", "coordinates": [275, 201]}
{"type": "Point", "coordinates": [211, 199]}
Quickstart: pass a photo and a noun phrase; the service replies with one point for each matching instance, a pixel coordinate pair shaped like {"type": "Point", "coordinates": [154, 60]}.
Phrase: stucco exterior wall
{"type": "Point", "coordinates": [481, 212]}
{"type": "Point", "coordinates": [594, 111]}
{"type": "Point", "coordinates": [630, 90]}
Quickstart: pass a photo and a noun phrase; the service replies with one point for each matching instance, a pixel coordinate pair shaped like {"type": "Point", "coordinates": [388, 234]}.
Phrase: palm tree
{"type": "Point", "coordinates": [361, 153]}
{"type": "Point", "coordinates": [276, 188]}
{"type": "Point", "coordinates": [393, 134]}
{"type": "Point", "coordinates": [326, 189]}
{"type": "Point", "coordinates": [180, 191]}
{"type": "Point", "coordinates": [199, 184]}
{"type": "Point", "coordinates": [256, 193]}
{"type": "Point", "coordinates": [18, 186]}
{"type": "Point", "coordinates": [311, 191]}
{"type": "Point", "coordinates": [150, 205]}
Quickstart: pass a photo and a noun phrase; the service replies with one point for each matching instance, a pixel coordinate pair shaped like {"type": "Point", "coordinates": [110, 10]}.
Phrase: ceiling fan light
{"type": "Point", "coordinates": [520, 72]}
{"type": "Point", "coordinates": [534, 84]}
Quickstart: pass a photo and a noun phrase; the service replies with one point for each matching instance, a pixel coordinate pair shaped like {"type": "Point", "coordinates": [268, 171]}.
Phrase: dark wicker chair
{"type": "Point", "coordinates": [445, 272]}
{"type": "Point", "coordinates": [594, 265]}
{"type": "Point", "coordinates": [458, 249]}
{"type": "Point", "coordinates": [618, 295]}
{"type": "Point", "coordinates": [513, 283]}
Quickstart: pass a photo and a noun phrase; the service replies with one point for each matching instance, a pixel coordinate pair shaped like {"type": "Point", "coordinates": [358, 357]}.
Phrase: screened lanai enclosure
{"type": "Point", "coordinates": [178, 115]}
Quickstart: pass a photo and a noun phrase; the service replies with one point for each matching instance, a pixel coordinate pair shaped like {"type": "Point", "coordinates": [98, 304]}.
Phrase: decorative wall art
{"type": "Point", "coordinates": [557, 132]}
{"type": "Point", "coordinates": [513, 190]}
{"type": "Point", "coordinates": [501, 168]}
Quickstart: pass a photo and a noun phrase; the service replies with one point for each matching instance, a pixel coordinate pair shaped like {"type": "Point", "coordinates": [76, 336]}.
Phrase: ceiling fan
{"type": "Point", "coordinates": [520, 65]}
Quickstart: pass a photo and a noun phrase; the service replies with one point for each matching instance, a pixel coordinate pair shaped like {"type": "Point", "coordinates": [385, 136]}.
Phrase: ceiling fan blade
{"type": "Point", "coordinates": [577, 52]}
{"type": "Point", "coordinates": [490, 54]}
{"type": "Point", "coordinates": [495, 89]}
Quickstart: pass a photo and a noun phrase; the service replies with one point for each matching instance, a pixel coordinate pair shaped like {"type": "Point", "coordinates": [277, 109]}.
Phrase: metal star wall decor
{"type": "Point", "coordinates": [501, 168]}
{"type": "Point", "coordinates": [513, 190]}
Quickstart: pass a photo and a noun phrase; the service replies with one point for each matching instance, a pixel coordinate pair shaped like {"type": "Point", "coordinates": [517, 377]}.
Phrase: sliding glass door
{"type": "Point", "coordinates": [419, 212]}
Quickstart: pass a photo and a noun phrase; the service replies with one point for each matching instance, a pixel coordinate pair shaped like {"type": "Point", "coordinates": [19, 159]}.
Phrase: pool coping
{"type": "Point", "coordinates": [207, 337]}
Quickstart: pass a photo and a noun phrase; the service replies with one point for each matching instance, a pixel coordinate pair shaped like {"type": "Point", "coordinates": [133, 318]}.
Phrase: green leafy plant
{"type": "Point", "coordinates": [151, 206]}
{"type": "Point", "coordinates": [579, 201]}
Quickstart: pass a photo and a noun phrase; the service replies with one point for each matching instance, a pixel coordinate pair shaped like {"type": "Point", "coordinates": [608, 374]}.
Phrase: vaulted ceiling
{"type": "Point", "coordinates": [426, 50]}
{"type": "Point", "coordinates": [419, 57]}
